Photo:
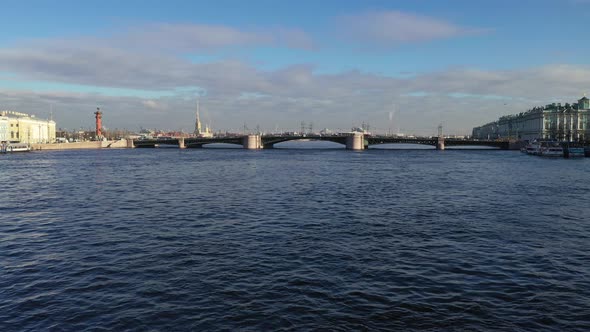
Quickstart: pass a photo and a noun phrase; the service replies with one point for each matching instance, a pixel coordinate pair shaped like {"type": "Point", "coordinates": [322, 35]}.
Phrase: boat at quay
{"type": "Point", "coordinates": [573, 150]}
{"type": "Point", "coordinates": [14, 147]}
{"type": "Point", "coordinates": [551, 149]}
{"type": "Point", "coordinates": [556, 149]}
{"type": "Point", "coordinates": [545, 149]}
{"type": "Point", "coordinates": [533, 148]}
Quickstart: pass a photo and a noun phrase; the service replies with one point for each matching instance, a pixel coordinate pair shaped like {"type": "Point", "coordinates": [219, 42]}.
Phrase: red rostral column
{"type": "Point", "coordinates": [98, 115]}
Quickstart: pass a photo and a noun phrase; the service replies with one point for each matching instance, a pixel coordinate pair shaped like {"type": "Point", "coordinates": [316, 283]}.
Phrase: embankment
{"type": "Point", "coordinates": [123, 143]}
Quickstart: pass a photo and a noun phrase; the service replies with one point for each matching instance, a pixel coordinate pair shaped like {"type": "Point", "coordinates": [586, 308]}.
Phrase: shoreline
{"type": "Point", "coordinates": [120, 144]}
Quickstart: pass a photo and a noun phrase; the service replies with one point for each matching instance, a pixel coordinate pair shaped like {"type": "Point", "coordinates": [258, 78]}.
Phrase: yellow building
{"type": "Point", "coordinates": [25, 128]}
{"type": "Point", "coordinates": [4, 125]}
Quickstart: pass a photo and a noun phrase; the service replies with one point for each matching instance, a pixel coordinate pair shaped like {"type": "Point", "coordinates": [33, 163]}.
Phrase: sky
{"type": "Point", "coordinates": [399, 66]}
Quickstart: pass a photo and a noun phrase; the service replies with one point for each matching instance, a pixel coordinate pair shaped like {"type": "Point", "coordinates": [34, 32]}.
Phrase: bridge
{"type": "Point", "coordinates": [352, 141]}
{"type": "Point", "coordinates": [440, 144]}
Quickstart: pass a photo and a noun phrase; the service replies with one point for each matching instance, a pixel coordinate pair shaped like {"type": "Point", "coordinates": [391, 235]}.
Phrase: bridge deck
{"type": "Point", "coordinates": [270, 140]}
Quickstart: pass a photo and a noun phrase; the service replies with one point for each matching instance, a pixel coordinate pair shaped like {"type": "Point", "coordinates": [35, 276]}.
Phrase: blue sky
{"type": "Point", "coordinates": [529, 32]}
{"type": "Point", "coordinates": [308, 59]}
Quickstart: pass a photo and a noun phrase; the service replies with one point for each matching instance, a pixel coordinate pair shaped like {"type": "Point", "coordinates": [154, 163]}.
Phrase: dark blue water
{"type": "Point", "coordinates": [168, 240]}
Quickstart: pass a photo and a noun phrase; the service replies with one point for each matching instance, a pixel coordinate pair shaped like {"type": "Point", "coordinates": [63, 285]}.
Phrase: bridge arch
{"type": "Point", "coordinates": [229, 142]}
{"type": "Point", "coordinates": [214, 145]}
{"type": "Point", "coordinates": [402, 146]}
{"type": "Point", "coordinates": [268, 142]}
{"type": "Point", "coordinates": [307, 144]}
{"type": "Point", "coordinates": [153, 143]}
{"type": "Point", "coordinates": [458, 144]}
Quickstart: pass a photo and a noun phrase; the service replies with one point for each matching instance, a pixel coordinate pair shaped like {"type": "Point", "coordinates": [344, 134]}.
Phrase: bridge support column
{"type": "Point", "coordinates": [440, 143]}
{"type": "Point", "coordinates": [252, 142]}
{"type": "Point", "coordinates": [130, 144]}
{"type": "Point", "coordinates": [355, 141]}
{"type": "Point", "coordinates": [181, 143]}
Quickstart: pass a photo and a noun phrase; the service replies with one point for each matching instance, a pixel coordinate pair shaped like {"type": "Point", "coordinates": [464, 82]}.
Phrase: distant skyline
{"type": "Point", "coordinates": [399, 65]}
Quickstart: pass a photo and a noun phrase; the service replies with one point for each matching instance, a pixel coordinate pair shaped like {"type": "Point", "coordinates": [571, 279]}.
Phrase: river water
{"type": "Point", "coordinates": [293, 239]}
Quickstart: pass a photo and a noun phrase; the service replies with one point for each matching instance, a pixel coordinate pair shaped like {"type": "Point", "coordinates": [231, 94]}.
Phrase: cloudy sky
{"type": "Point", "coordinates": [397, 65]}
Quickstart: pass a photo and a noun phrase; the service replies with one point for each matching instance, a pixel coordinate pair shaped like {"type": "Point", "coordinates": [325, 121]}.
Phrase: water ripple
{"type": "Point", "coordinates": [293, 240]}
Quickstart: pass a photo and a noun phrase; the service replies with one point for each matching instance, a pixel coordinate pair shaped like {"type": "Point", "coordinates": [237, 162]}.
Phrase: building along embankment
{"type": "Point", "coordinates": [123, 143]}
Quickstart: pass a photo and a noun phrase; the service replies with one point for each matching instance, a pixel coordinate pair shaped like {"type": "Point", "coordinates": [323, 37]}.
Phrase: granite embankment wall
{"type": "Point", "coordinates": [81, 145]}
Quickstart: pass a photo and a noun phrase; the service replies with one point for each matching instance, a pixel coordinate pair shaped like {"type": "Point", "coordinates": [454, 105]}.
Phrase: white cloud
{"type": "Point", "coordinates": [387, 28]}
{"type": "Point", "coordinates": [192, 36]}
{"type": "Point", "coordinates": [237, 92]}
{"type": "Point", "coordinates": [158, 37]}
{"type": "Point", "coordinates": [460, 98]}
{"type": "Point", "coordinates": [151, 104]}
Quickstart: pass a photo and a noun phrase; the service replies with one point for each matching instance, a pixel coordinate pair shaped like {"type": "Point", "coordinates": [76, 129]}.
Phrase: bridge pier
{"type": "Point", "coordinates": [181, 143]}
{"type": "Point", "coordinates": [252, 142]}
{"type": "Point", "coordinates": [440, 143]}
{"type": "Point", "coordinates": [355, 141]}
{"type": "Point", "coordinates": [130, 144]}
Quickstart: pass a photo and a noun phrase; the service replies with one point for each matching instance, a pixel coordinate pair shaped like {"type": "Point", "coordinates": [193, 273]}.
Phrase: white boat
{"type": "Point", "coordinates": [551, 149]}
{"type": "Point", "coordinates": [14, 147]}
{"type": "Point", "coordinates": [533, 148]}
{"type": "Point", "coordinates": [545, 148]}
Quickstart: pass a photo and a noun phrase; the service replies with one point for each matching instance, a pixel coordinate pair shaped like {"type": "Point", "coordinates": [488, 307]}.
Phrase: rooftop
{"type": "Point", "coordinates": [14, 114]}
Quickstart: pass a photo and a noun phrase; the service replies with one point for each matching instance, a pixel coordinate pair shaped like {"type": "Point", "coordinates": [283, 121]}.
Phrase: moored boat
{"type": "Point", "coordinates": [533, 148]}
{"type": "Point", "coordinates": [576, 152]}
{"type": "Point", "coordinates": [14, 147]}
{"type": "Point", "coordinates": [545, 148]}
{"type": "Point", "coordinates": [551, 149]}
{"type": "Point", "coordinates": [573, 150]}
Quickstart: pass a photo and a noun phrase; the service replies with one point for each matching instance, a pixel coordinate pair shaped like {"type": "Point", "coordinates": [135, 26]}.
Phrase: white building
{"type": "Point", "coordinates": [4, 125]}
{"type": "Point", "coordinates": [25, 128]}
{"type": "Point", "coordinates": [554, 121]}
